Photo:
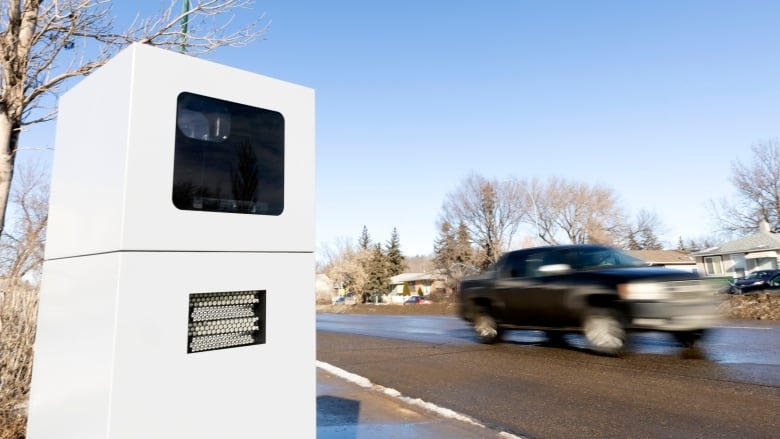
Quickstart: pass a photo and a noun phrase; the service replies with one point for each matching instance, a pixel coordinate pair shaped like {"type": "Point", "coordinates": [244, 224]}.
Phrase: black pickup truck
{"type": "Point", "coordinates": [594, 290]}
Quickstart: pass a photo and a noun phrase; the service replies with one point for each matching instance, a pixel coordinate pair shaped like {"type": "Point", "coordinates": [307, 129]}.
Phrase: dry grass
{"type": "Point", "coordinates": [18, 311]}
{"type": "Point", "coordinates": [756, 306]}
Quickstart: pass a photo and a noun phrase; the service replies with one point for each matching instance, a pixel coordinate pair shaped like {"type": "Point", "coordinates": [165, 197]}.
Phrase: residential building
{"type": "Point", "coordinates": [666, 258]}
{"type": "Point", "coordinates": [426, 283]}
{"type": "Point", "coordinates": [739, 257]}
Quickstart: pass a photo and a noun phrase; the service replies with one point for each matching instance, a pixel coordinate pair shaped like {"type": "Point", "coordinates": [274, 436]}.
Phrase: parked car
{"type": "Point", "coordinates": [418, 300]}
{"type": "Point", "coordinates": [597, 291]}
{"type": "Point", "coordinates": [349, 299]}
{"type": "Point", "coordinates": [756, 281]}
{"type": "Point", "coordinates": [374, 298]}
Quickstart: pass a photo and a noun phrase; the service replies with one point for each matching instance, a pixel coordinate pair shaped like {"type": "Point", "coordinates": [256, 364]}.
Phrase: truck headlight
{"type": "Point", "coordinates": [642, 291]}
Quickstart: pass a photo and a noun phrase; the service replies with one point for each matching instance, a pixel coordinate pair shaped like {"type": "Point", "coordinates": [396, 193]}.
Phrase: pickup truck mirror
{"type": "Point", "coordinates": [554, 268]}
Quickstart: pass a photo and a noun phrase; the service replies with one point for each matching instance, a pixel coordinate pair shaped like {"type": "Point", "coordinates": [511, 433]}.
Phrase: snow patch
{"type": "Point", "coordinates": [441, 411]}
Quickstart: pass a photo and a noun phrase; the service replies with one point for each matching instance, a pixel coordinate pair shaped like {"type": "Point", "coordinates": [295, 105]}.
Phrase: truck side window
{"type": "Point", "coordinates": [554, 258]}
{"type": "Point", "coordinates": [532, 265]}
{"type": "Point", "coordinates": [514, 265]}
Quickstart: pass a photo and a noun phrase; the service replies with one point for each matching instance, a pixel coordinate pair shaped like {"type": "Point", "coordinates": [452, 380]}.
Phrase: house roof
{"type": "Point", "coordinates": [762, 240]}
{"type": "Point", "coordinates": [411, 277]}
{"type": "Point", "coordinates": [666, 257]}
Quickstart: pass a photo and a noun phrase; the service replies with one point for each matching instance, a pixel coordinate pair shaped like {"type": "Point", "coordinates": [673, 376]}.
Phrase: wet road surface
{"type": "Point", "coordinates": [731, 389]}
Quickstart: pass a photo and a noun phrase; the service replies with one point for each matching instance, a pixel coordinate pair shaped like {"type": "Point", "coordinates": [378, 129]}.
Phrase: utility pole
{"type": "Point", "coordinates": [185, 9]}
{"type": "Point", "coordinates": [536, 215]}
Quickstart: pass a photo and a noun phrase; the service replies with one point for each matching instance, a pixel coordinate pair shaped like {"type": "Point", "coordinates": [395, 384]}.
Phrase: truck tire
{"type": "Point", "coordinates": [556, 338]}
{"type": "Point", "coordinates": [486, 327]}
{"type": "Point", "coordinates": [688, 339]}
{"type": "Point", "coordinates": [604, 332]}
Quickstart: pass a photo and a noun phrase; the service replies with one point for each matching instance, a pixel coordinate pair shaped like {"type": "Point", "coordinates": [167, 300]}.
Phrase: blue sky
{"type": "Point", "coordinates": [654, 100]}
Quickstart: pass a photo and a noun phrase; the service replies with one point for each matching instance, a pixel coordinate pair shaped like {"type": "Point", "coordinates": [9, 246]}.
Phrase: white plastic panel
{"type": "Point", "coordinates": [111, 357]}
{"type": "Point", "coordinates": [115, 150]}
{"type": "Point", "coordinates": [73, 363]}
{"type": "Point", "coordinates": [120, 368]}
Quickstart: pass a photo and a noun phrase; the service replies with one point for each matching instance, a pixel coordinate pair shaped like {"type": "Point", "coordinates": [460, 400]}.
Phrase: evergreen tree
{"type": "Point", "coordinates": [444, 246]}
{"type": "Point", "coordinates": [396, 262]}
{"type": "Point", "coordinates": [649, 240]}
{"type": "Point", "coordinates": [453, 246]}
{"type": "Point", "coordinates": [453, 252]}
{"type": "Point", "coordinates": [463, 253]}
{"type": "Point", "coordinates": [365, 241]}
{"type": "Point", "coordinates": [631, 241]}
{"type": "Point", "coordinates": [377, 279]}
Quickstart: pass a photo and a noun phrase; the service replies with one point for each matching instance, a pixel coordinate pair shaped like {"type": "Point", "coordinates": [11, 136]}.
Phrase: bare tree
{"type": "Point", "coordinates": [758, 192]}
{"type": "Point", "coordinates": [643, 233]}
{"type": "Point", "coordinates": [21, 255]}
{"type": "Point", "coordinates": [46, 43]}
{"type": "Point", "coordinates": [490, 210]}
{"type": "Point", "coordinates": [22, 244]}
{"type": "Point", "coordinates": [545, 205]}
{"type": "Point", "coordinates": [345, 264]}
{"type": "Point", "coordinates": [420, 264]}
{"type": "Point", "coordinates": [559, 211]}
{"type": "Point", "coordinates": [581, 212]}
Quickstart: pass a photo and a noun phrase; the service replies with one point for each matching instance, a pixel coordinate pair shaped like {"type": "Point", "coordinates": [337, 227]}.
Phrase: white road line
{"type": "Point", "coordinates": [746, 327]}
{"type": "Point", "coordinates": [441, 411]}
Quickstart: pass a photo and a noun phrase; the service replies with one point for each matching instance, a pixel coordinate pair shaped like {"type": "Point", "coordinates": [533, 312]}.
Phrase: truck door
{"type": "Point", "coordinates": [516, 286]}
{"type": "Point", "coordinates": [545, 293]}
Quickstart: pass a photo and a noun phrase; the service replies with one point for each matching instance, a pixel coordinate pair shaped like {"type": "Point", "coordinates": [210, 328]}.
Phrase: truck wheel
{"type": "Point", "coordinates": [487, 328]}
{"type": "Point", "coordinates": [604, 332]}
{"type": "Point", "coordinates": [556, 338]}
{"type": "Point", "coordinates": [688, 339]}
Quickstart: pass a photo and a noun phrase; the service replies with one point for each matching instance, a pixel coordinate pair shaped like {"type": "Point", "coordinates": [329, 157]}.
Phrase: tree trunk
{"type": "Point", "coordinates": [9, 133]}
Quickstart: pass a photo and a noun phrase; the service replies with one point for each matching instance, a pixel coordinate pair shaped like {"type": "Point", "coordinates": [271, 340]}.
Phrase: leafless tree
{"type": "Point", "coordinates": [345, 264]}
{"type": "Point", "coordinates": [21, 258]}
{"type": "Point", "coordinates": [544, 208]}
{"type": "Point", "coordinates": [22, 244]}
{"type": "Point", "coordinates": [643, 233]}
{"type": "Point", "coordinates": [46, 43]}
{"type": "Point", "coordinates": [420, 264]}
{"type": "Point", "coordinates": [491, 211]}
{"type": "Point", "coordinates": [577, 212]}
{"type": "Point", "coordinates": [558, 210]}
{"type": "Point", "coordinates": [574, 212]}
{"type": "Point", "coordinates": [758, 192]}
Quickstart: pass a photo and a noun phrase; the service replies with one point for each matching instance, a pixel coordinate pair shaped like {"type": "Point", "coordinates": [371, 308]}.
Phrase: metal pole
{"type": "Point", "coordinates": [536, 214]}
{"type": "Point", "coordinates": [185, 8]}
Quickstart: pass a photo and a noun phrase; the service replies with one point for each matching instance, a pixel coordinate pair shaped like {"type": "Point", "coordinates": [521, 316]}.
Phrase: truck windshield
{"type": "Point", "coordinates": [600, 257]}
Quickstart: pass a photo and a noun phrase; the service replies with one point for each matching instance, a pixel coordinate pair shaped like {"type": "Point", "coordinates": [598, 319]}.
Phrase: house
{"type": "Point", "coordinates": [739, 257]}
{"type": "Point", "coordinates": [426, 282]}
{"type": "Point", "coordinates": [666, 258]}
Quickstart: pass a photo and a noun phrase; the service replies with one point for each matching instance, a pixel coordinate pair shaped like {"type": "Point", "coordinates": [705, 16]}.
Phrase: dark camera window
{"type": "Point", "coordinates": [229, 157]}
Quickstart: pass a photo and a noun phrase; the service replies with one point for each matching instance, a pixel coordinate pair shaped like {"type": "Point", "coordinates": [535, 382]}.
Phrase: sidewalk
{"type": "Point", "coordinates": [351, 407]}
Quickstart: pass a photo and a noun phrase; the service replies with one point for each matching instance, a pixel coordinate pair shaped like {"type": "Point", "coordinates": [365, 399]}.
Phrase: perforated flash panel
{"type": "Point", "coordinates": [225, 320]}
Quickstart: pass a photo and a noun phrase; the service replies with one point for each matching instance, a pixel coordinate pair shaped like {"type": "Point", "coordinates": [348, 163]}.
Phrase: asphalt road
{"type": "Point", "coordinates": [729, 389]}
